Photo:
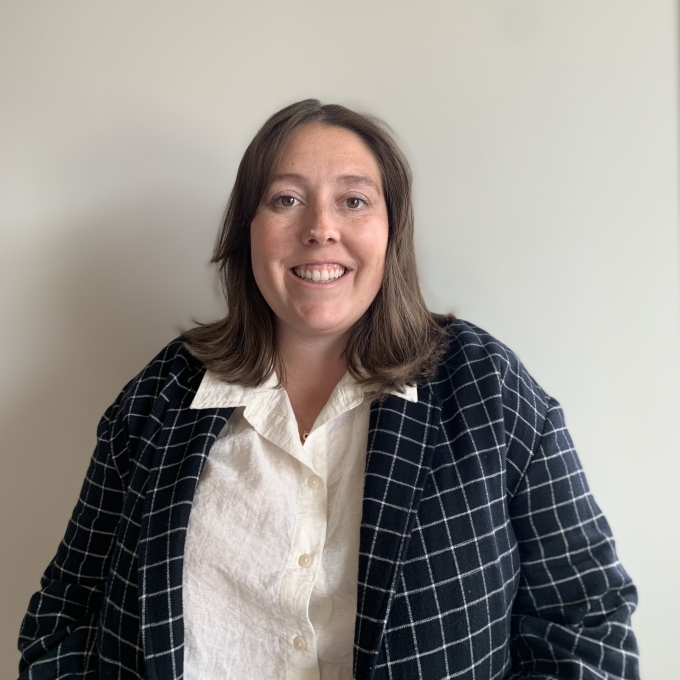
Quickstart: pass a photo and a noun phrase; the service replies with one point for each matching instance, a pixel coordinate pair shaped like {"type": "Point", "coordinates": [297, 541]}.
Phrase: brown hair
{"type": "Point", "coordinates": [397, 341]}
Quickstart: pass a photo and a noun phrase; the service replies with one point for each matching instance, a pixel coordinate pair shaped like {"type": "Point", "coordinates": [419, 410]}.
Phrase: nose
{"type": "Point", "coordinates": [320, 228]}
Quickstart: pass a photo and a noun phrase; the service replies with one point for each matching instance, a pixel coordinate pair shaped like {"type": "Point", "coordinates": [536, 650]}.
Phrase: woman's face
{"type": "Point", "coordinates": [319, 237]}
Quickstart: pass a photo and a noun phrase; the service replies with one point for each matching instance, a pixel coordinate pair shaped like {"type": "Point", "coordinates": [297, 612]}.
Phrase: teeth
{"type": "Point", "coordinates": [319, 275]}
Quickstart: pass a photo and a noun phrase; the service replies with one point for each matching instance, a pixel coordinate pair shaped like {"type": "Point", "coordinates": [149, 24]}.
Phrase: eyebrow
{"type": "Point", "coordinates": [347, 179]}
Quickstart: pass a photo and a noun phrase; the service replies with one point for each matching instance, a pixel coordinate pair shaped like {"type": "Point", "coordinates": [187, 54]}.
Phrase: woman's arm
{"type": "Point", "coordinates": [571, 617]}
{"type": "Point", "coordinates": [57, 637]}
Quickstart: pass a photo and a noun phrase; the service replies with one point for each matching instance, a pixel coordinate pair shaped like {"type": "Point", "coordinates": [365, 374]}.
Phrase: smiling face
{"type": "Point", "coordinates": [319, 236]}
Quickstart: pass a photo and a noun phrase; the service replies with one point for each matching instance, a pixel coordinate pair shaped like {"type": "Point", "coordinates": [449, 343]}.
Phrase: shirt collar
{"type": "Point", "coordinates": [216, 393]}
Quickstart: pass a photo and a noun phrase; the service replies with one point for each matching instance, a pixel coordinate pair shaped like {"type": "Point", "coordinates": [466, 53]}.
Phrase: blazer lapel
{"type": "Point", "coordinates": [185, 440]}
{"type": "Point", "coordinates": [401, 439]}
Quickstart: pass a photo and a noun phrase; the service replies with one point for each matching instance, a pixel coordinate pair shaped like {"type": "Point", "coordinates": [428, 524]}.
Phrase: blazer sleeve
{"type": "Point", "coordinates": [571, 615]}
{"type": "Point", "coordinates": [58, 634]}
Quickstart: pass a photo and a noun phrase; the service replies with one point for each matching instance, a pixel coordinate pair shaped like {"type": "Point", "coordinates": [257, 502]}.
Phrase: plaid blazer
{"type": "Point", "coordinates": [482, 552]}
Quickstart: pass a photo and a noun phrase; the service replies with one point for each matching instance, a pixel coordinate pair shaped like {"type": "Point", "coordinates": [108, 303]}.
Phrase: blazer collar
{"type": "Point", "coordinates": [401, 440]}
{"type": "Point", "coordinates": [184, 440]}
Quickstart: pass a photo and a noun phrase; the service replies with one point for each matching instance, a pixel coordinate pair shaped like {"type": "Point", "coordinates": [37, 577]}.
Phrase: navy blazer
{"type": "Point", "coordinates": [482, 552]}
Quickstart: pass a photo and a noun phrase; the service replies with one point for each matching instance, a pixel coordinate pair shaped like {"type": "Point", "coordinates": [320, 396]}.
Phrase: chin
{"type": "Point", "coordinates": [324, 325]}
{"type": "Point", "coordinates": [324, 329]}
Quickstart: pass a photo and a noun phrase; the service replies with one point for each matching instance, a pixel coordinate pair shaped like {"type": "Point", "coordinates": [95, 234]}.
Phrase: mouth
{"type": "Point", "coordinates": [319, 273]}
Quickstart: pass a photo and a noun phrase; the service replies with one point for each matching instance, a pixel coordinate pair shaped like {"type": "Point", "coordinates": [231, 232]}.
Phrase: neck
{"type": "Point", "coordinates": [312, 361]}
{"type": "Point", "coordinates": [312, 367]}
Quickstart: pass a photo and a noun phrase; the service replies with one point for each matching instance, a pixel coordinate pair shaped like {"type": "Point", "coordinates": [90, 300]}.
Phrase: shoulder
{"type": "Point", "coordinates": [474, 349]}
{"type": "Point", "coordinates": [172, 368]}
{"type": "Point", "coordinates": [488, 395]}
{"type": "Point", "coordinates": [478, 365]}
{"type": "Point", "coordinates": [168, 382]}
{"type": "Point", "coordinates": [171, 378]}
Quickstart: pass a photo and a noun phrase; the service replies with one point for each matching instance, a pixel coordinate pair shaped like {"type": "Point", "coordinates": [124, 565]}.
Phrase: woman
{"type": "Point", "coordinates": [331, 481]}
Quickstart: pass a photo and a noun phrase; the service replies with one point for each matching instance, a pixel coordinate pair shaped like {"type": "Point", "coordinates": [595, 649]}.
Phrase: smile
{"type": "Point", "coordinates": [319, 273]}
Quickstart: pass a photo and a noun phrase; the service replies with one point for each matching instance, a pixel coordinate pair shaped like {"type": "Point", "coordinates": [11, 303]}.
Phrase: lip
{"type": "Point", "coordinates": [315, 285]}
{"type": "Point", "coordinates": [325, 263]}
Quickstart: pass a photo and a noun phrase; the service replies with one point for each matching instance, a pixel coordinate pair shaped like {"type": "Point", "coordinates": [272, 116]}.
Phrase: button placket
{"type": "Point", "coordinates": [298, 580]}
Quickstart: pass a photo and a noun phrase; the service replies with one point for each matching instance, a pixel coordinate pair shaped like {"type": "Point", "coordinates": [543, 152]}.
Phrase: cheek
{"type": "Point", "coordinates": [257, 240]}
{"type": "Point", "coordinates": [377, 246]}
{"type": "Point", "coordinates": [373, 245]}
{"type": "Point", "coordinates": [260, 256]}
{"type": "Point", "coordinates": [263, 245]}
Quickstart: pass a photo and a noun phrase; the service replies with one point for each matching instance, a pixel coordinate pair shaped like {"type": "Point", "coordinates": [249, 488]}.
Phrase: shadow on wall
{"type": "Point", "coordinates": [103, 300]}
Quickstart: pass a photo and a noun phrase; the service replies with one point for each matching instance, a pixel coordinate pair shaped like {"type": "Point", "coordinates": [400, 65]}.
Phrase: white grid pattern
{"type": "Point", "coordinates": [483, 554]}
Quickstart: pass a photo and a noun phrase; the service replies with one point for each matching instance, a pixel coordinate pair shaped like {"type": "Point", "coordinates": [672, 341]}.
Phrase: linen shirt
{"type": "Point", "coordinates": [272, 547]}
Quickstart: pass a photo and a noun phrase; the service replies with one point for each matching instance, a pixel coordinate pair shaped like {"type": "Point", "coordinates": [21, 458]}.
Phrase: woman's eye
{"type": "Point", "coordinates": [286, 201]}
{"type": "Point", "coordinates": [354, 202]}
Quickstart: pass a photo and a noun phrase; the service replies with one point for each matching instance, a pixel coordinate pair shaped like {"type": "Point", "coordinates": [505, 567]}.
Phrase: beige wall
{"type": "Point", "coordinates": [543, 142]}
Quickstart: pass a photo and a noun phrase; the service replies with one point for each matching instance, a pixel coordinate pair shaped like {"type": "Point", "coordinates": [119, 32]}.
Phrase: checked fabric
{"type": "Point", "coordinates": [483, 554]}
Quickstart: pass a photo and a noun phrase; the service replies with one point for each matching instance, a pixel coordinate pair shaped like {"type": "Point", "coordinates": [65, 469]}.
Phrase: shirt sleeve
{"type": "Point", "coordinates": [58, 633]}
{"type": "Point", "coordinates": [571, 615]}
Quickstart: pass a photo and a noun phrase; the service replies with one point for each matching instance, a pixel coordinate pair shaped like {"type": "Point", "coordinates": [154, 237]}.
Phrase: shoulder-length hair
{"type": "Point", "coordinates": [397, 341]}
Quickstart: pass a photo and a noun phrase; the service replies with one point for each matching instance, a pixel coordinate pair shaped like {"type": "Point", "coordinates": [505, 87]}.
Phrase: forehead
{"type": "Point", "coordinates": [316, 147]}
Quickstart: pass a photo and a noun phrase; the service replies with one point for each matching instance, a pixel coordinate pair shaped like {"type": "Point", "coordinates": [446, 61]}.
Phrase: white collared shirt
{"type": "Point", "coordinates": [272, 548]}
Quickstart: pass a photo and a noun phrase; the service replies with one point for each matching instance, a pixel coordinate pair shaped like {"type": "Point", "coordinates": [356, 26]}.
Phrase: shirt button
{"type": "Point", "coordinates": [305, 560]}
{"type": "Point", "coordinates": [313, 482]}
{"type": "Point", "coordinates": [299, 643]}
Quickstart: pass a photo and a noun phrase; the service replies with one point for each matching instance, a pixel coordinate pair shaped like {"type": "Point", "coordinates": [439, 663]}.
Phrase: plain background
{"type": "Point", "coordinates": [543, 140]}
